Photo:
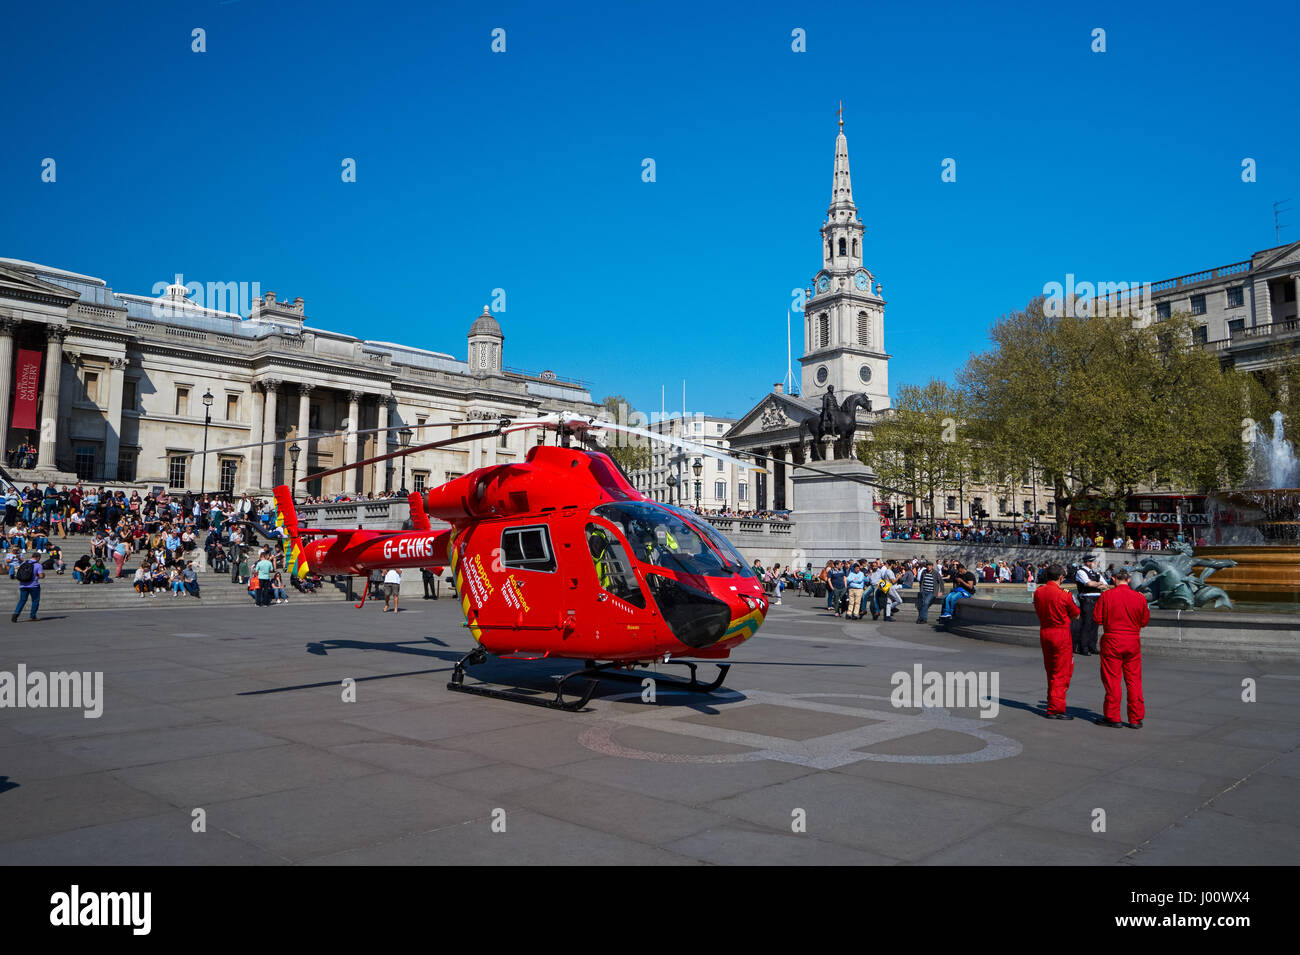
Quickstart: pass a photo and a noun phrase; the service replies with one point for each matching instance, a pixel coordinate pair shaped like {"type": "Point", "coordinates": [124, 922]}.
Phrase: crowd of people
{"type": "Point", "coordinates": [22, 456]}
{"type": "Point", "coordinates": [1029, 535]}
{"type": "Point", "coordinates": [153, 539]}
{"type": "Point", "coordinates": [853, 588]}
{"type": "Point", "coordinates": [749, 515]}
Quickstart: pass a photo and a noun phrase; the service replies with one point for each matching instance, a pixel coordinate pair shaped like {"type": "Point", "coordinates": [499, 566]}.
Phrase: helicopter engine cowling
{"type": "Point", "coordinates": [505, 490]}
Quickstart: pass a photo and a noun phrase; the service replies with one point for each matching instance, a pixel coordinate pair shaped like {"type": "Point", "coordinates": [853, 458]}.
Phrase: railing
{"type": "Point", "coordinates": [751, 525]}
{"type": "Point", "coordinates": [1290, 325]}
{"type": "Point", "coordinates": [1196, 278]}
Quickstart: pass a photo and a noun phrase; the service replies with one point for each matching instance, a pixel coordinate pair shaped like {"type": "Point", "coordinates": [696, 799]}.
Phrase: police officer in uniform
{"type": "Point", "coordinates": [1088, 584]}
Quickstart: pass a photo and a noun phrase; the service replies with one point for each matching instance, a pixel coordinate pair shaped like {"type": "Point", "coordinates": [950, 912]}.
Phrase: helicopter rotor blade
{"type": "Point", "coordinates": [685, 444]}
{"type": "Point", "coordinates": [445, 442]}
{"type": "Point", "coordinates": [318, 435]}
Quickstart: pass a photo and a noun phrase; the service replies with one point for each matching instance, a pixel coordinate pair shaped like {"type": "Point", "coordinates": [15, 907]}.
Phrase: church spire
{"type": "Point", "coordinates": [842, 206]}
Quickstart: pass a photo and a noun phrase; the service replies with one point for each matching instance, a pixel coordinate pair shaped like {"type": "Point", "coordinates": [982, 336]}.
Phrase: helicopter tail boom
{"type": "Point", "coordinates": [286, 519]}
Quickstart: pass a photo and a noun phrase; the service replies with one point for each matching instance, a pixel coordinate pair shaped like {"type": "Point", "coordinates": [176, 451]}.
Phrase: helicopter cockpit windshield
{"type": "Point", "coordinates": [661, 538]}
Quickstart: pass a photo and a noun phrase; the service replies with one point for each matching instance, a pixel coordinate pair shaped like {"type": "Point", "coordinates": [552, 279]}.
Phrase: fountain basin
{"type": "Point", "coordinates": [1268, 573]}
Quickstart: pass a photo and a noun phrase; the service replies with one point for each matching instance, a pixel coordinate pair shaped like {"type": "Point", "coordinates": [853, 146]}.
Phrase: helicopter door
{"type": "Point", "coordinates": [614, 569]}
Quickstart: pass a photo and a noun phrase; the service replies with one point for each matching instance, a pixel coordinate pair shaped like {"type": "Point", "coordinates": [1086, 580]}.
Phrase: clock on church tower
{"type": "Point", "coordinates": [844, 317]}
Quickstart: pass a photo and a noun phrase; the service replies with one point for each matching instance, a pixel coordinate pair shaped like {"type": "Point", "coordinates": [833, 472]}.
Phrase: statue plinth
{"type": "Point", "coordinates": [835, 514]}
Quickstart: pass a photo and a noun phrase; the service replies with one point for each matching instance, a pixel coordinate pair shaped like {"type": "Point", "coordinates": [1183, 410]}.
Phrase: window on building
{"type": "Point", "coordinates": [182, 403]}
{"type": "Point", "coordinates": [864, 329]}
{"type": "Point", "coordinates": [719, 427]}
{"type": "Point", "coordinates": [419, 481]}
{"type": "Point", "coordinates": [823, 330]}
{"type": "Point", "coordinates": [855, 246]}
{"type": "Point", "coordinates": [176, 468]}
{"type": "Point", "coordinates": [843, 247]}
{"type": "Point", "coordinates": [1236, 326]}
{"type": "Point", "coordinates": [85, 463]}
{"type": "Point", "coordinates": [721, 465]}
{"type": "Point", "coordinates": [232, 407]}
{"type": "Point", "coordinates": [1198, 304]}
{"type": "Point", "coordinates": [951, 503]}
{"type": "Point", "coordinates": [126, 464]}
{"type": "Point", "coordinates": [1236, 297]}
{"type": "Point", "coordinates": [313, 415]}
{"type": "Point", "coordinates": [504, 442]}
{"type": "Point", "coordinates": [1027, 508]}
{"type": "Point", "coordinates": [1162, 310]}
{"type": "Point", "coordinates": [1051, 508]}
{"type": "Point", "coordinates": [229, 474]}
{"type": "Point", "coordinates": [1002, 505]}
{"type": "Point", "coordinates": [742, 491]}
{"type": "Point", "coordinates": [720, 490]}
{"type": "Point", "coordinates": [528, 548]}
{"type": "Point", "coordinates": [92, 386]}
{"type": "Point", "coordinates": [128, 396]}
{"type": "Point", "coordinates": [1200, 334]}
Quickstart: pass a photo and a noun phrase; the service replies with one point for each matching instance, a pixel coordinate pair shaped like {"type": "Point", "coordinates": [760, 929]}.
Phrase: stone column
{"type": "Point", "coordinates": [1296, 279]}
{"type": "Point", "coordinates": [7, 328]}
{"type": "Point", "coordinates": [255, 458]}
{"type": "Point", "coordinates": [352, 481]}
{"type": "Point", "coordinates": [300, 435]}
{"type": "Point", "coordinates": [1263, 302]}
{"type": "Point", "coordinates": [381, 447]}
{"type": "Point", "coordinates": [50, 400]}
{"type": "Point", "coordinates": [270, 385]}
{"type": "Point", "coordinates": [787, 454]}
{"type": "Point", "coordinates": [113, 427]}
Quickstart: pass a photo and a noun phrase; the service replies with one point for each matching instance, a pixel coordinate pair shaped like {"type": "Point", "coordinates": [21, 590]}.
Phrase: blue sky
{"type": "Point", "coordinates": [522, 170]}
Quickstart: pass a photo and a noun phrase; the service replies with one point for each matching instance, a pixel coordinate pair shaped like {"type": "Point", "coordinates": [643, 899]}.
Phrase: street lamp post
{"type": "Point", "coordinates": [294, 451]}
{"type": "Point", "coordinates": [673, 496]}
{"type": "Point", "coordinates": [404, 438]}
{"type": "Point", "coordinates": [207, 419]}
{"type": "Point", "coordinates": [698, 469]}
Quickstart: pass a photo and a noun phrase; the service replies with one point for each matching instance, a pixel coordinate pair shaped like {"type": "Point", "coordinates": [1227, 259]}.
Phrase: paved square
{"type": "Point", "coordinates": [801, 758]}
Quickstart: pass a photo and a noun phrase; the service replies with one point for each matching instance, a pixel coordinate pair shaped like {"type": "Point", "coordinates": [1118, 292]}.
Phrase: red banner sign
{"type": "Point", "coordinates": [27, 388]}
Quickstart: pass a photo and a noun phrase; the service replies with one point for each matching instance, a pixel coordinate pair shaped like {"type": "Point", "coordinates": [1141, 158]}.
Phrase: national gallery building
{"type": "Point", "coordinates": [124, 389]}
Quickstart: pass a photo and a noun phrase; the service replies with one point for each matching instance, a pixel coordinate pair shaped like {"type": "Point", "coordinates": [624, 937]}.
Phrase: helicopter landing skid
{"type": "Point", "coordinates": [692, 685]}
{"type": "Point", "coordinates": [479, 655]}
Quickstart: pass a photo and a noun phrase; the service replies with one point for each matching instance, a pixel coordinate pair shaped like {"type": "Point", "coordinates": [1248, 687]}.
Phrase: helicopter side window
{"type": "Point", "coordinates": [613, 569]}
{"type": "Point", "coordinates": [528, 548]}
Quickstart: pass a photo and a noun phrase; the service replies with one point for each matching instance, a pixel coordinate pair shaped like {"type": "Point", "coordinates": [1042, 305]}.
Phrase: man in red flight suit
{"type": "Point", "coordinates": [1122, 612]}
{"type": "Point", "coordinates": [1055, 609]}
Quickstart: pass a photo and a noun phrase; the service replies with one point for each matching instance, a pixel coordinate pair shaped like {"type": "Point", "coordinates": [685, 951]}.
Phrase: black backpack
{"type": "Point", "coordinates": [26, 572]}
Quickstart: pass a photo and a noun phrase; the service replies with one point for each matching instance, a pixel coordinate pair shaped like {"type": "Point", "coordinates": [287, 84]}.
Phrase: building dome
{"type": "Point", "coordinates": [485, 324]}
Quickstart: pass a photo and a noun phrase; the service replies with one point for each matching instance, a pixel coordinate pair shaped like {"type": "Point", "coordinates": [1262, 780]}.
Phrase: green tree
{"type": "Point", "coordinates": [630, 452]}
{"type": "Point", "coordinates": [917, 446]}
{"type": "Point", "coordinates": [1104, 405]}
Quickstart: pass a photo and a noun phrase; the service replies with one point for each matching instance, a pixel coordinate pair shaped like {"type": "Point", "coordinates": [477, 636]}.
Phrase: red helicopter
{"type": "Point", "coordinates": [558, 557]}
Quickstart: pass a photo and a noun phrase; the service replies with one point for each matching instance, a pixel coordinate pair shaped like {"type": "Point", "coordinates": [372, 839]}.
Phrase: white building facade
{"type": "Point", "coordinates": [721, 485]}
{"type": "Point", "coordinates": [131, 387]}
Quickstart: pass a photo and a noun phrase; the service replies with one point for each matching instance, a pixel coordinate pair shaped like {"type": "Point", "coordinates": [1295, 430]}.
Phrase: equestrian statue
{"type": "Point", "coordinates": [836, 421]}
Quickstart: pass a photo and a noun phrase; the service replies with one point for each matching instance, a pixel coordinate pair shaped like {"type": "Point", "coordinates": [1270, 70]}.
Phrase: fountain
{"type": "Point", "coordinates": [1258, 526]}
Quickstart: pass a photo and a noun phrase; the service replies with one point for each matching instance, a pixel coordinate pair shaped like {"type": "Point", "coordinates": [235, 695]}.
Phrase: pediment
{"type": "Point", "coordinates": [16, 284]}
{"type": "Point", "coordinates": [1284, 256]}
{"type": "Point", "coordinates": [774, 414]}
